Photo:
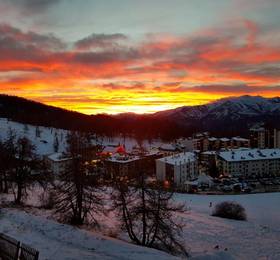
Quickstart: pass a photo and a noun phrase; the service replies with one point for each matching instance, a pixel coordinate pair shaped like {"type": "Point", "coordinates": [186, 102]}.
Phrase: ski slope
{"type": "Point", "coordinates": [44, 143]}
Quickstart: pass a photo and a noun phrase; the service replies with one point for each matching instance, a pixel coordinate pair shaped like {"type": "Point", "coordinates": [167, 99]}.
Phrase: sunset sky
{"type": "Point", "coordinates": [113, 56]}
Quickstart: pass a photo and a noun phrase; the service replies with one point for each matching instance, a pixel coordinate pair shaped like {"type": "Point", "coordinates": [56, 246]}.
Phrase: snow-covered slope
{"type": "Point", "coordinates": [256, 238]}
{"type": "Point", "coordinates": [43, 142]}
{"type": "Point", "coordinates": [205, 236]}
{"type": "Point", "coordinates": [228, 116]}
{"type": "Point", "coordinates": [233, 107]}
{"type": "Point", "coordinates": [56, 241]}
{"type": "Point", "coordinates": [245, 105]}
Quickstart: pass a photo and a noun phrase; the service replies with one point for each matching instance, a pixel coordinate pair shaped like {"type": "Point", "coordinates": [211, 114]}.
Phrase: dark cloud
{"type": "Point", "coordinates": [100, 41]}
{"type": "Point", "coordinates": [13, 37]}
{"type": "Point", "coordinates": [230, 89]}
{"type": "Point", "coordinates": [32, 6]}
{"type": "Point", "coordinates": [121, 55]}
{"type": "Point", "coordinates": [203, 57]}
{"type": "Point", "coordinates": [269, 71]}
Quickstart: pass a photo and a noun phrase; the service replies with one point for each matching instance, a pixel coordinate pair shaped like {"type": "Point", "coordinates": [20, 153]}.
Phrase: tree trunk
{"type": "Point", "coordinates": [1, 184]}
{"type": "Point", "coordinates": [6, 188]}
{"type": "Point", "coordinates": [19, 194]}
{"type": "Point", "coordinates": [143, 212]}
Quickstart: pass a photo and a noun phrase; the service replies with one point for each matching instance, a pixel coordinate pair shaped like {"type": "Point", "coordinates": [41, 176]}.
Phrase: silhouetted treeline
{"type": "Point", "coordinates": [130, 125]}
{"type": "Point", "coordinates": [31, 112]}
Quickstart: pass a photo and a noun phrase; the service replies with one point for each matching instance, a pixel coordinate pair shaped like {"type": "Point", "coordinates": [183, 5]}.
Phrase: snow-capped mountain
{"type": "Point", "coordinates": [245, 105]}
{"type": "Point", "coordinates": [233, 108]}
{"type": "Point", "coordinates": [229, 114]}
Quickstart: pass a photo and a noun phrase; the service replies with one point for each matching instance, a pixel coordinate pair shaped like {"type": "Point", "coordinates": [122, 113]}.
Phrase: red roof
{"type": "Point", "coordinates": [121, 150]}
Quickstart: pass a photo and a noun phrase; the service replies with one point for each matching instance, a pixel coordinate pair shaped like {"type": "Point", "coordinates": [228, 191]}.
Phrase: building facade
{"type": "Point", "coordinates": [130, 166]}
{"type": "Point", "coordinates": [261, 137]}
{"type": "Point", "coordinates": [57, 162]}
{"type": "Point", "coordinates": [250, 163]}
{"type": "Point", "coordinates": [206, 143]}
{"type": "Point", "coordinates": [177, 169]}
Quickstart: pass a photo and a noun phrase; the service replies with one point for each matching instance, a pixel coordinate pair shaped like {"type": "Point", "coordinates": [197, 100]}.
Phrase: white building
{"type": "Point", "coordinates": [249, 162]}
{"type": "Point", "coordinates": [178, 168]}
{"type": "Point", "coordinates": [57, 162]}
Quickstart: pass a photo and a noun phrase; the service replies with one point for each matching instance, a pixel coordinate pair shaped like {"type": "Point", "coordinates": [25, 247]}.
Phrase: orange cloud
{"type": "Point", "coordinates": [161, 72]}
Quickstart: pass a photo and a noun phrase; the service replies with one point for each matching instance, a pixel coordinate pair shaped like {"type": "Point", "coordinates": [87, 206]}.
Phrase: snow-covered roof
{"type": "Point", "coordinates": [152, 151]}
{"type": "Point", "coordinates": [224, 139]}
{"type": "Point", "coordinates": [58, 157]}
{"type": "Point", "coordinates": [129, 157]}
{"type": "Point", "coordinates": [209, 152]}
{"type": "Point", "coordinates": [250, 155]}
{"type": "Point", "coordinates": [123, 158]}
{"type": "Point", "coordinates": [109, 149]}
{"type": "Point", "coordinates": [257, 129]}
{"type": "Point", "coordinates": [180, 158]}
{"type": "Point", "coordinates": [168, 147]}
{"type": "Point", "coordinates": [212, 139]}
{"type": "Point", "coordinates": [240, 139]}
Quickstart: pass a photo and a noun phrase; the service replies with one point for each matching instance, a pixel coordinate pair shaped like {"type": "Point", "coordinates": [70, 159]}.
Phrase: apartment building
{"type": "Point", "coordinates": [178, 168]}
{"type": "Point", "coordinates": [249, 163]}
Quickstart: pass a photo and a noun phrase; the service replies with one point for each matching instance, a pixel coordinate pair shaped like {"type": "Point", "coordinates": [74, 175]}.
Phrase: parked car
{"type": "Point", "coordinates": [237, 187]}
{"type": "Point", "coordinates": [247, 190]}
{"type": "Point", "coordinates": [227, 182]}
{"type": "Point", "coordinates": [253, 185]}
{"type": "Point", "coordinates": [226, 188]}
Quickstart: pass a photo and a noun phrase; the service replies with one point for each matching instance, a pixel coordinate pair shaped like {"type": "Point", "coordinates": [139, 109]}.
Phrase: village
{"type": "Point", "coordinates": [198, 164]}
{"type": "Point", "coordinates": [199, 173]}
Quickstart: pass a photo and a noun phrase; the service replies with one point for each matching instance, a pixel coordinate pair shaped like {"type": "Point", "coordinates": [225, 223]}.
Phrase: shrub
{"type": "Point", "coordinates": [229, 209]}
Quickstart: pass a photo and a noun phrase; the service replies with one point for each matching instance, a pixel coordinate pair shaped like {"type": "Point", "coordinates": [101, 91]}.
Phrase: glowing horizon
{"type": "Point", "coordinates": [156, 59]}
{"type": "Point", "coordinates": [135, 109]}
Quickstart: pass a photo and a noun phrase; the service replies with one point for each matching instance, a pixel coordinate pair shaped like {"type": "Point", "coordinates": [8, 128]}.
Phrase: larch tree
{"type": "Point", "coordinates": [26, 163]}
{"type": "Point", "coordinates": [55, 143]}
{"type": "Point", "coordinates": [148, 214]}
{"type": "Point", "coordinates": [77, 193]}
{"type": "Point", "coordinates": [7, 159]}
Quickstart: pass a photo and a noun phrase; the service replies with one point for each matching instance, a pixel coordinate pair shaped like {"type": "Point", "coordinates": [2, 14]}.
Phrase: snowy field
{"type": "Point", "coordinates": [205, 236]}
{"type": "Point", "coordinates": [56, 241]}
{"type": "Point", "coordinates": [256, 238]}
{"type": "Point", "coordinates": [45, 142]}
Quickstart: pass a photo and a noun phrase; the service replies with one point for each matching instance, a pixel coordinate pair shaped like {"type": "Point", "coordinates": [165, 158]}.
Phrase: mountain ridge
{"type": "Point", "coordinates": [227, 116]}
{"type": "Point", "coordinates": [239, 102]}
